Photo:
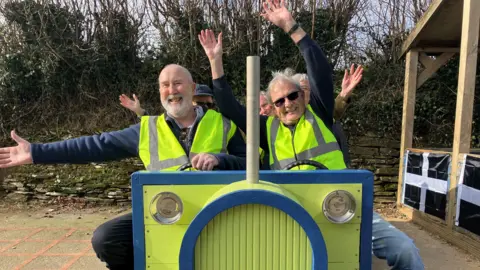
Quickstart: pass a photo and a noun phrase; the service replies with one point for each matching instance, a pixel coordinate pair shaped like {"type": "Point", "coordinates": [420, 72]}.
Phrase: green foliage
{"type": "Point", "coordinates": [61, 77]}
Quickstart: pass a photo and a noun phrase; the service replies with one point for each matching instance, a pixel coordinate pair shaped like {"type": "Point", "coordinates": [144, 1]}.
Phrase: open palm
{"type": "Point", "coordinates": [276, 12]}
{"type": "Point", "coordinates": [212, 48]}
{"type": "Point", "coordinates": [351, 79]}
{"type": "Point", "coordinates": [16, 155]}
{"type": "Point", "coordinates": [133, 105]}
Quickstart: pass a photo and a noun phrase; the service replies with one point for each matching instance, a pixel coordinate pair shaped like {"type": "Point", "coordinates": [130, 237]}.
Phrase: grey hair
{"type": "Point", "coordinates": [265, 95]}
{"type": "Point", "coordinates": [282, 75]}
{"type": "Point", "coordinates": [300, 77]}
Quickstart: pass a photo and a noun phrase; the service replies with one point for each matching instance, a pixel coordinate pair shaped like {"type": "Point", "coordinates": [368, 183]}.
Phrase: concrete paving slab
{"type": "Point", "coordinates": [85, 234]}
{"type": "Point", "coordinates": [47, 262]}
{"type": "Point", "coordinates": [10, 262]}
{"type": "Point", "coordinates": [50, 234]}
{"type": "Point", "coordinates": [69, 248]}
{"type": "Point", "coordinates": [87, 262]}
{"type": "Point", "coordinates": [26, 248]}
{"type": "Point", "coordinates": [5, 245]}
{"type": "Point", "coordinates": [12, 234]}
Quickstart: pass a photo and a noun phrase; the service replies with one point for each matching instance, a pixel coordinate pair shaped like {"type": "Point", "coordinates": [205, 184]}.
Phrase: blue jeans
{"type": "Point", "coordinates": [394, 246]}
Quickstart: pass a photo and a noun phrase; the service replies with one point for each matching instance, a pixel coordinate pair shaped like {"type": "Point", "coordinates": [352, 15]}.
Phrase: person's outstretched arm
{"type": "Point", "coordinates": [107, 146]}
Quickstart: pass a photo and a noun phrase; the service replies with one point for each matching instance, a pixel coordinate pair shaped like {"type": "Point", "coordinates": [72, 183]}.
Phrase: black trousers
{"type": "Point", "coordinates": [113, 242]}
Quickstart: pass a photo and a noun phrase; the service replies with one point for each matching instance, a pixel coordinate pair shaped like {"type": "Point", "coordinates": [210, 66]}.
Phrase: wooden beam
{"type": "Point", "coordinates": [437, 49]}
{"type": "Point", "coordinates": [474, 155]}
{"type": "Point", "coordinates": [425, 60]}
{"type": "Point", "coordinates": [432, 67]}
{"type": "Point", "coordinates": [465, 95]}
{"type": "Point", "coordinates": [434, 6]}
{"type": "Point", "coordinates": [410, 87]}
{"type": "Point", "coordinates": [436, 151]}
{"type": "Point", "coordinates": [444, 150]}
{"type": "Point", "coordinates": [456, 236]}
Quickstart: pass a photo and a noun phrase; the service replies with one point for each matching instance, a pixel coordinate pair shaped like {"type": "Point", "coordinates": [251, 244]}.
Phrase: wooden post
{"type": "Point", "coordinates": [410, 88]}
{"type": "Point", "coordinates": [465, 95]}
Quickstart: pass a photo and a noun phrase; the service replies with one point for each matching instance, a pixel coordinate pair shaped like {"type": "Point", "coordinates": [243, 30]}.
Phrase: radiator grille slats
{"type": "Point", "coordinates": [252, 237]}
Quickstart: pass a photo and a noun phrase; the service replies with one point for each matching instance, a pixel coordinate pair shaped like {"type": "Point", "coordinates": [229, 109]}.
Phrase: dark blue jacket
{"type": "Point", "coordinates": [117, 145]}
{"type": "Point", "coordinates": [321, 95]}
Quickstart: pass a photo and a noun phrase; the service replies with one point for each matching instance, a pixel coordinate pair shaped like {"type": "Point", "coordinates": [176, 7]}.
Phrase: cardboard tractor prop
{"type": "Point", "coordinates": [316, 219]}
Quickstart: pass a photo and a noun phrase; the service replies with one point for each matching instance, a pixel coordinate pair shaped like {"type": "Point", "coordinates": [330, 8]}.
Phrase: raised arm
{"type": "Point", "coordinates": [227, 104]}
{"type": "Point", "coordinates": [318, 68]}
{"type": "Point", "coordinates": [320, 79]}
{"type": "Point", "coordinates": [350, 81]}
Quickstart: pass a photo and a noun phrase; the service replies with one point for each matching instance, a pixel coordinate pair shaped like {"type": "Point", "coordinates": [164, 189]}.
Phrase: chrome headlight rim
{"type": "Point", "coordinates": [348, 216]}
{"type": "Point", "coordinates": [156, 208]}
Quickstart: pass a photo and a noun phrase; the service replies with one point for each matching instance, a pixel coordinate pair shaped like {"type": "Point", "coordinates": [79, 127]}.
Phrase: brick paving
{"type": "Point", "coordinates": [47, 248]}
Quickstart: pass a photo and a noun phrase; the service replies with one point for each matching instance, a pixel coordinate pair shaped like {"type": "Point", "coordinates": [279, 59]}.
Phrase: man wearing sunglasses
{"type": "Point", "coordinates": [299, 131]}
{"type": "Point", "coordinates": [303, 130]}
{"type": "Point", "coordinates": [204, 97]}
{"type": "Point", "coordinates": [350, 80]}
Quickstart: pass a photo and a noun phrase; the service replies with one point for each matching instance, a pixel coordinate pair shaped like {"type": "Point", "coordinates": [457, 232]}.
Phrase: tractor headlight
{"type": "Point", "coordinates": [166, 208]}
{"type": "Point", "coordinates": [339, 206]}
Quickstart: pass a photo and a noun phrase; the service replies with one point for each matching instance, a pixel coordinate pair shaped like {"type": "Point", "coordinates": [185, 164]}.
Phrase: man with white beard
{"type": "Point", "coordinates": [185, 133]}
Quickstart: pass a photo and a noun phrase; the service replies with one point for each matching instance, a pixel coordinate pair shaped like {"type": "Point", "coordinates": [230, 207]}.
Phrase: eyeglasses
{"type": "Point", "coordinates": [292, 96]}
{"type": "Point", "coordinates": [206, 104]}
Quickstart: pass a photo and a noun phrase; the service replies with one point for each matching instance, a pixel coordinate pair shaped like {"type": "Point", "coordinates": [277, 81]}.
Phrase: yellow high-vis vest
{"type": "Point", "coordinates": [310, 140]}
{"type": "Point", "coordinates": [160, 150]}
{"type": "Point", "coordinates": [260, 150]}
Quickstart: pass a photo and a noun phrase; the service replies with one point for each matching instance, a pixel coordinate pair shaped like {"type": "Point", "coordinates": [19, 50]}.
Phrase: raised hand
{"type": "Point", "coordinates": [351, 80]}
{"type": "Point", "coordinates": [133, 105]}
{"type": "Point", "coordinates": [16, 155]}
{"type": "Point", "coordinates": [276, 12]}
{"type": "Point", "coordinates": [213, 48]}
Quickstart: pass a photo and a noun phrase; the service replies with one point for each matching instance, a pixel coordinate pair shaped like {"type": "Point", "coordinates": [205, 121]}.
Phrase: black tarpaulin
{"type": "Point", "coordinates": [468, 201]}
{"type": "Point", "coordinates": [426, 182]}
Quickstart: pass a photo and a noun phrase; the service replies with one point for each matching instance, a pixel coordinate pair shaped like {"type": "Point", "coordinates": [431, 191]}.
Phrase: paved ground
{"type": "Point", "coordinates": [46, 238]}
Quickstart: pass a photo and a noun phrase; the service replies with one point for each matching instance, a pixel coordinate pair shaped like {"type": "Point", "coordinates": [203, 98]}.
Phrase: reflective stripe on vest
{"type": "Point", "coordinates": [322, 147]}
{"type": "Point", "coordinates": [160, 139]}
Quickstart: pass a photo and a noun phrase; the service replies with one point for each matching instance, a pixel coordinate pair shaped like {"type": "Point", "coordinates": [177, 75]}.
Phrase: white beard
{"type": "Point", "coordinates": [178, 110]}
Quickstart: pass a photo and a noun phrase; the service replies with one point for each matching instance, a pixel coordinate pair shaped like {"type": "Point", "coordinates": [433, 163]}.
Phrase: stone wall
{"type": "Point", "coordinates": [381, 156]}
{"type": "Point", "coordinates": [109, 183]}
{"type": "Point", "coordinates": [94, 183]}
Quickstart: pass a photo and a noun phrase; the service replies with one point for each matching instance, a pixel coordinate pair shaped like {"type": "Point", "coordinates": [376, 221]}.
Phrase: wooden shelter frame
{"type": "Point", "coordinates": [447, 28]}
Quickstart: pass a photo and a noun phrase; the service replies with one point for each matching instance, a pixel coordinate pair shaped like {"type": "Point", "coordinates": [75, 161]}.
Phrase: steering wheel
{"type": "Point", "coordinates": [314, 163]}
{"type": "Point", "coordinates": [188, 165]}
{"type": "Point", "coordinates": [185, 166]}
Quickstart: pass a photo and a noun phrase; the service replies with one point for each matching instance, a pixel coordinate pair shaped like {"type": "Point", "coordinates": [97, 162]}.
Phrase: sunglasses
{"type": "Point", "coordinates": [292, 96]}
{"type": "Point", "coordinates": [206, 104]}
